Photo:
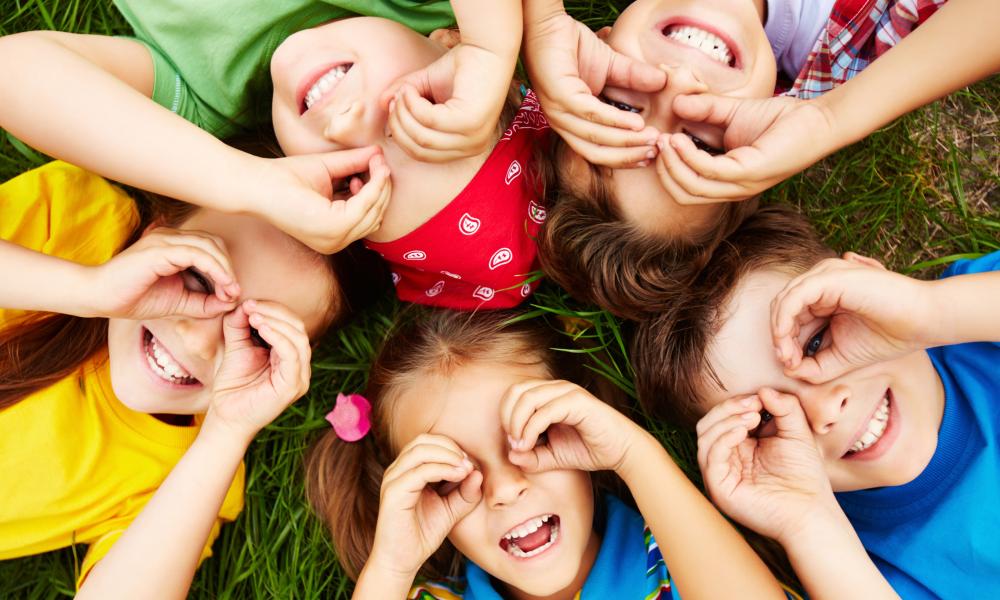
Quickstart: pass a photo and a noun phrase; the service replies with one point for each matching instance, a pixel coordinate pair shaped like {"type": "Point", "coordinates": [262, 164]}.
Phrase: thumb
{"type": "Point", "coordinates": [635, 75]}
{"type": "Point", "coordinates": [202, 306]}
{"type": "Point", "coordinates": [341, 163]}
{"type": "Point", "coordinates": [789, 418]}
{"type": "Point", "coordinates": [706, 108]}
{"type": "Point", "coordinates": [540, 458]}
{"type": "Point", "coordinates": [827, 364]}
{"type": "Point", "coordinates": [236, 329]}
{"type": "Point", "coordinates": [462, 500]}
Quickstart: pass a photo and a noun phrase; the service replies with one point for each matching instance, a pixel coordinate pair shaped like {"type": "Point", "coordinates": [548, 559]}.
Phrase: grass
{"type": "Point", "coordinates": [922, 192]}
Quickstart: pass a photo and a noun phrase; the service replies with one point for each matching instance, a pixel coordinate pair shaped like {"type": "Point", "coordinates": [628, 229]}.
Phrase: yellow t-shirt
{"type": "Point", "coordinates": [76, 465]}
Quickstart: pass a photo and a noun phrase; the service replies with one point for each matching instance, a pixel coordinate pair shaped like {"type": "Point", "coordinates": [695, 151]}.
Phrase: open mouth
{"type": "Point", "coordinates": [709, 43]}
{"type": "Point", "coordinates": [875, 429]}
{"type": "Point", "coordinates": [531, 538]}
{"type": "Point", "coordinates": [163, 364]}
{"type": "Point", "coordinates": [321, 86]}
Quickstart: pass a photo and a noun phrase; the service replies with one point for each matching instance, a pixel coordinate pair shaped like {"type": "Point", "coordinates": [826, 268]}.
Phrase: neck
{"type": "Point", "coordinates": [570, 591]}
{"type": "Point", "coordinates": [761, 6]}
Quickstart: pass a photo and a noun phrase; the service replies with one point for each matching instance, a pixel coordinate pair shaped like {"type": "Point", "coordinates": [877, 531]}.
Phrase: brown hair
{"type": "Point", "coordinates": [670, 351]}
{"type": "Point", "coordinates": [592, 252]}
{"type": "Point", "coordinates": [343, 479]}
{"type": "Point", "coordinates": [39, 349]}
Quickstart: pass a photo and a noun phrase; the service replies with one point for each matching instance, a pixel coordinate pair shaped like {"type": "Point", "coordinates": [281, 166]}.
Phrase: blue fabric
{"type": "Point", "coordinates": [619, 571]}
{"type": "Point", "coordinates": [939, 535]}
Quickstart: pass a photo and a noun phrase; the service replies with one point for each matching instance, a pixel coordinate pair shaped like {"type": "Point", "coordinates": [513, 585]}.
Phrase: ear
{"type": "Point", "coordinates": [603, 33]}
{"type": "Point", "coordinates": [863, 260]}
{"type": "Point", "coordinates": [449, 38]}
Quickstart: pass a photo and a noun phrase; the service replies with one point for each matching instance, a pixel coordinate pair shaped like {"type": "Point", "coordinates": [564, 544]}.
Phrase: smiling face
{"type": "Point", "coordinates": [876, 426]}
{"type": "Point", "coordinates": [167, 365]}
{"type": "Point", "coordinates": [328, 80]}
{"type": "Point", "coordinates": [714, 46]}
{"type": "Point", "coordinates": [531, 531]}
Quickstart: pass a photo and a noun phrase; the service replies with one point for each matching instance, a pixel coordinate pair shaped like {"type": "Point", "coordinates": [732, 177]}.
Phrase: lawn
{"type": "Point", "coordinates": [918, 194]}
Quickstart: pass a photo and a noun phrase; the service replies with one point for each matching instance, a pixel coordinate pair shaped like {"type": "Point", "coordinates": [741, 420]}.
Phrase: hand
{"type": "Point", "coordinates": [774, 485]}
{"type": "Point", "coordinates": [167, 272]}
{"type": "Point", "coordinates": [559, 425]}
{"type": "Point", "coordinates": [871, 315]}
{"type": "Point", "coordinates": [414, 518]}
{"type": "Point", "coordinates": [767, 141]}
{"type": "Point", "coordinates": [450, 109]}
{"type": "Point", "coordinates": [568, 66]}
{"type": "Point", "coordinates": [303, 196]}
{"type": "Point", "coordinates": [256, 383]}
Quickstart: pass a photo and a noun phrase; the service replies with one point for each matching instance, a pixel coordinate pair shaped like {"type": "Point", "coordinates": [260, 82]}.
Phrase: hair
{"type": "Point", "coordinates": [670, 351]}
{"type": "Point", "coordinates": [39, 349]}
{"type": "Point", "coordinates": [592, 252]}
{"type": "Point", "coordinates": [343, 480]}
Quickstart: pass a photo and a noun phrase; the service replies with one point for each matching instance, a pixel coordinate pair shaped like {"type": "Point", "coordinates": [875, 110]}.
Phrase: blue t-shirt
{"type": "Point", "coordinates": [939, 535]}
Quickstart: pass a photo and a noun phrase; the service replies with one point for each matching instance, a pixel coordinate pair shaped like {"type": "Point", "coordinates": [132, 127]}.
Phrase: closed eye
{"type": "Point", "coordinates": [703, 145]}
{"type": "Point", "coordinates": [619, 105]}
{"type": "Point", "coordinates": [196, 281]}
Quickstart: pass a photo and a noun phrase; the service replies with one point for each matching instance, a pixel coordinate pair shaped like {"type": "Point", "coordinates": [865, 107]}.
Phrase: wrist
{"type": "Point", "coordinates": [92, 299]}
{"type": "Point", "coordinates": [237, 186]}
{"type": "Point", "coordinates": [641, 445]}
{"type": "Point", "coordinates": [826, 524]}
{"type": "Point", "coordinates": [225, 437]}
{"type": "Point", "coordinates": [381, 568]}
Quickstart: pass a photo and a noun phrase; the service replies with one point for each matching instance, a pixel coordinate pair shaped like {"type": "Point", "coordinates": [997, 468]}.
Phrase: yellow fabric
{"type": "Point", "coordinates": [76, 465]}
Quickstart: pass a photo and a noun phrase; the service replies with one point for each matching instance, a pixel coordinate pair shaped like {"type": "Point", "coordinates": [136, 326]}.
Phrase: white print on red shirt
{"type": "Point", "coordinates": [484, 293]}
{"type": "Point", "coordinates": [512, 172]}
{"type": "Point", "coordinates": [415, 255]}
{"type": "Point", "coordinates": [536, 212]}
{"type": "Point", "coordinates": [525, 290]}
{"type": "Point", "coordinates": [500, 258]}
{"type": "Point", "coordinates": [450, 274]}
{"type": "Point", "coordinates": [395, 278]}
{"type": "Point", "coordinates": [468, 224]}
{"type": "Point", "coordinates": [434, 291]}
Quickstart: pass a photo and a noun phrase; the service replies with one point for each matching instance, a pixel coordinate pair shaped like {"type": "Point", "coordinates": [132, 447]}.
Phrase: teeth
{"type": "Point", "coordinates": [526, 528]}
{"type": "Point", "coordinates": [515, 551]}
{"type": "Point", "coordinates": [164, 365]}
{"type": "Point", "coordinates": [709, 43]}
{"type": "Point", "coordinates": [325, 84]}
{"type": "Point", "coordinates": [876, 427]}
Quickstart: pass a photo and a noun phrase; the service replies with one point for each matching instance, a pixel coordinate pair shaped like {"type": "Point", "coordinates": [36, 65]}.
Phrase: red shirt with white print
{"type": "Point", "coordinates": [479, 251]}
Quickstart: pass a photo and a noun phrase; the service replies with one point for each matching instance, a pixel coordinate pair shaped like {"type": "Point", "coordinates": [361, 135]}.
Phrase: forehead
{"type": "Point", "coordinates": [272, 266]}
{"type": "Point", "coordinates": [463, 405]}
{"type": "Point", "coordinates": [741, 353]}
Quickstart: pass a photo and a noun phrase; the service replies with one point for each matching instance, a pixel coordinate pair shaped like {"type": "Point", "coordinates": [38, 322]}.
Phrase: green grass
{"type": "Point", "coordinates": [919, 193]}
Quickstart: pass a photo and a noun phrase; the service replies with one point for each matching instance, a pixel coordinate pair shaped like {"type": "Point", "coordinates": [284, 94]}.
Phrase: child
{"type": "Point", "coordinates": [477, 452]}
{"type": "Point", "coordinates": [622, 236]}
{"type": "Point", "coordinates": [897, 382]}
{"type": "Point", "coordinates": [460, 231]}
{"type": "Point", "coordinates": [179, 335]}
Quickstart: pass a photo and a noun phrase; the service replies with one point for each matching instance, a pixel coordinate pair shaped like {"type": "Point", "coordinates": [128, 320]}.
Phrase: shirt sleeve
{"type": "Point", "coordinates": [434, 590]}
{"type": "Point", "coordinates": [983, 264]}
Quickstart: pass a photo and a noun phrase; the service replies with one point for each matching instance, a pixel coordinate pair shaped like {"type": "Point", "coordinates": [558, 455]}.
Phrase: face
{"type": "Point", "coordinates": [876, 426]}
{"type": "Point", "coordinates": [268, 265]}
{"type": "Point", "coordinates": [465, 406]}
{"type": "Point", "coordinates": [328, 80]}
{"type": "Point", "coordinates": [714, 46]}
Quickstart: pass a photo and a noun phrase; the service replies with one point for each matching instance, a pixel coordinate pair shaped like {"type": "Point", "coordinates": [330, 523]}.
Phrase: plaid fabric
{"type": "Point", "coordinates": [859, 31]}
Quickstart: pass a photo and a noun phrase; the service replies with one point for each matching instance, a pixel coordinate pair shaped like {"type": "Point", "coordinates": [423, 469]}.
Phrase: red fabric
{"type": "Point", "coordinates": [479, 250]}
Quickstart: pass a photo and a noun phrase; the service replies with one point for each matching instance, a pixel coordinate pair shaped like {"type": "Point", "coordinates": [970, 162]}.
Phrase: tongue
{"type": "Point", "coordinates": [536, 539]}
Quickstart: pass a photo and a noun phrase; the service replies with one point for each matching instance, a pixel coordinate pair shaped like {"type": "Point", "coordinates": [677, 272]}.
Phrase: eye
{"type": "Point", "coordinates": [543, 439]}
{"type": "Point", "coordinates": [443, 488]}
{"type": "Point", "coordinates": [196, 281]}
{"type": "Point", "coordinates": [619, 105]}
{"type": "Point", "coordinates": [766, 428]}
{"type": "Point", "coordinates": [703, 145]}
{"type": "Point", "coordinates": [257, 340]}
{"type": "Point", "coordinates": [815, 343]}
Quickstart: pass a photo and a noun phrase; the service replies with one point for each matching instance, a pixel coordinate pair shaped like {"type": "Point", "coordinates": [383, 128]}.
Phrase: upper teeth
{"type": "Point", "coordinates": [876, 427]}
{"type": "Point", "coordinates": [163, 364]}
{"type": "Point", "coordinates": [708, 43]}
{"type": "Point", "coordinates": [325, 83]}
{"type": "Point", "coordinates": [526, 528]}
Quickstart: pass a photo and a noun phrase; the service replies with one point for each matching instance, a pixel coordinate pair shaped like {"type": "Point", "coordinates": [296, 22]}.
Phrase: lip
{"type": "Point", "coordinates": [735, 48]}
{"type": "Point", "coordinates": [884, 443]}
{"type": "Point", "coordinates": [310, 80]}
{"type": "Point", "coordinates": [156, 379]}
{"type": "Point", "coordinates": [546, 552]}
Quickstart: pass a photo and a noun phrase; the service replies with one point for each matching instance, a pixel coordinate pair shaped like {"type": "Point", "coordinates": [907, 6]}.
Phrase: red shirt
{"type": "Point", "coordinates": [479, 251]}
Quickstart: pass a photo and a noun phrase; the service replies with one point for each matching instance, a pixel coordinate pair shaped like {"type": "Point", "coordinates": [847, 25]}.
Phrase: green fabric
{"type": "Point", "coordinates": [210, 56]}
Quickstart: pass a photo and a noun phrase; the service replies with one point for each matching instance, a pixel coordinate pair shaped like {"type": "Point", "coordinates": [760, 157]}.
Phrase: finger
{"type": "Point", "coordinates": [717, 468]}
{"type": "Point", "coordinates": [535, 460]}
{"type": "Point", "coordinates": [201, 306]}
{"type": "Point", "coordinates": [522, 401]}
{"type": "Point", "coordinates": [276, 311]}
{"type": "Point", "coordinates": [555, 411]}
{"type": "Point", "coordinates": [604, 135]}
{"type": "Point", "coordinates": [609, 156]}
{"type": "Point", "coordinates": [226, 287]}
{"type": "Point", "coordinates": [297, 337]}
{"type": "Point", "coordinates": [173, 259]}
{"type": "Point", "coordinates": [710, 438]}
{"type": "Point", "coordinates": [693, 184]}
{"type": "Point", "coordinates": [236, 329]}
{"type": "Point", "coordinates": [722, 168]}
{"type": "Point", "coordinates": [585, 105]}
{"type": "Point", "coordinates": [286, 361]}
{"type": "Point", "coordinates": [423, 453]}
{"type": "Point", "coordinates": [374, 198]}
{"type": "Point", "coordinates": [863, 260]}
{"type": "Point", "coordinates": [410, 484]}
{"type": "Point", "coordinates": [670, 185]}
{"type": "Point", "coordinates": [471, 489]}
{"type": "Point", "coordinates": [706, 108]}
{"type": "Point", "coordinates": [626, 72]}
{"type": "Point", "coordinates": [342, 163]}
{"type": "Point", "coordinates": [422, 116]}
{"type": "Point", "coordinates": [789, 418]}
{"type": "Point", "coordinates": [726, 409]}
{"type": "Point", "coordinates": [798, 305]}
{"type": "Point", "coordinates": [432, 439]}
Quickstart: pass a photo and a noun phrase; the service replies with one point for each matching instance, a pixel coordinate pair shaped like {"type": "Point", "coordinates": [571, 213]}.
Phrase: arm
{"type": "Point", "coordinates": [159, 551]}
{"type": "Point", "coordinates": [97, 114]}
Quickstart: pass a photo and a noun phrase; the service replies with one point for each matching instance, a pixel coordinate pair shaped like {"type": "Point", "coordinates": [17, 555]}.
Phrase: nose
{"type": "Point", "coordinates": [353, 126]}
{"type": "Point", "coordinates": [824, 405]}
{"type": "Point", "coordinates": [202, 338]}
{"type": "Point", "coordinates": [504, 485]}
{"type": "Point", "coordinates": [680, 80]}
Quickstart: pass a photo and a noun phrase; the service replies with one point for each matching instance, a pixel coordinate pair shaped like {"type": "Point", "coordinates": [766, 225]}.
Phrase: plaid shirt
{"type": "Point", "coordinates": [859, 31]}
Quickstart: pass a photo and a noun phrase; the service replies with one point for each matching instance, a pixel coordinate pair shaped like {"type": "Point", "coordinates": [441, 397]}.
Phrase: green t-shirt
{"type": "Point", "coordinates": [210, 56]}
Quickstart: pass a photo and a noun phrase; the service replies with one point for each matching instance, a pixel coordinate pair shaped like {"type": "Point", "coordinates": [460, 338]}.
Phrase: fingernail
{"type": "Point", "coordinates": [467, 464]}
{"type": "Point", "coordinates": [392, 104]}
{"type": "Point", "coordinates": [651, 142]}
{"type": "Point", "coordinates": [661, 144]}
{"type": "Point", "coordinates": [642, 163]}
{"type": "Point", "coordinates": [510, 441]}
{"type": "Point", "coordinates": [651, 154]}
{"type": "Point", "coordinates": [747, 416]}
{"type": "Point", "coordinates": [746, 402]}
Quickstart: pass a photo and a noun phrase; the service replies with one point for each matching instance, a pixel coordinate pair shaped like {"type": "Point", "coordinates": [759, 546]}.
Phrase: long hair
{"type": "Point", "coordinates": [343, 479]}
